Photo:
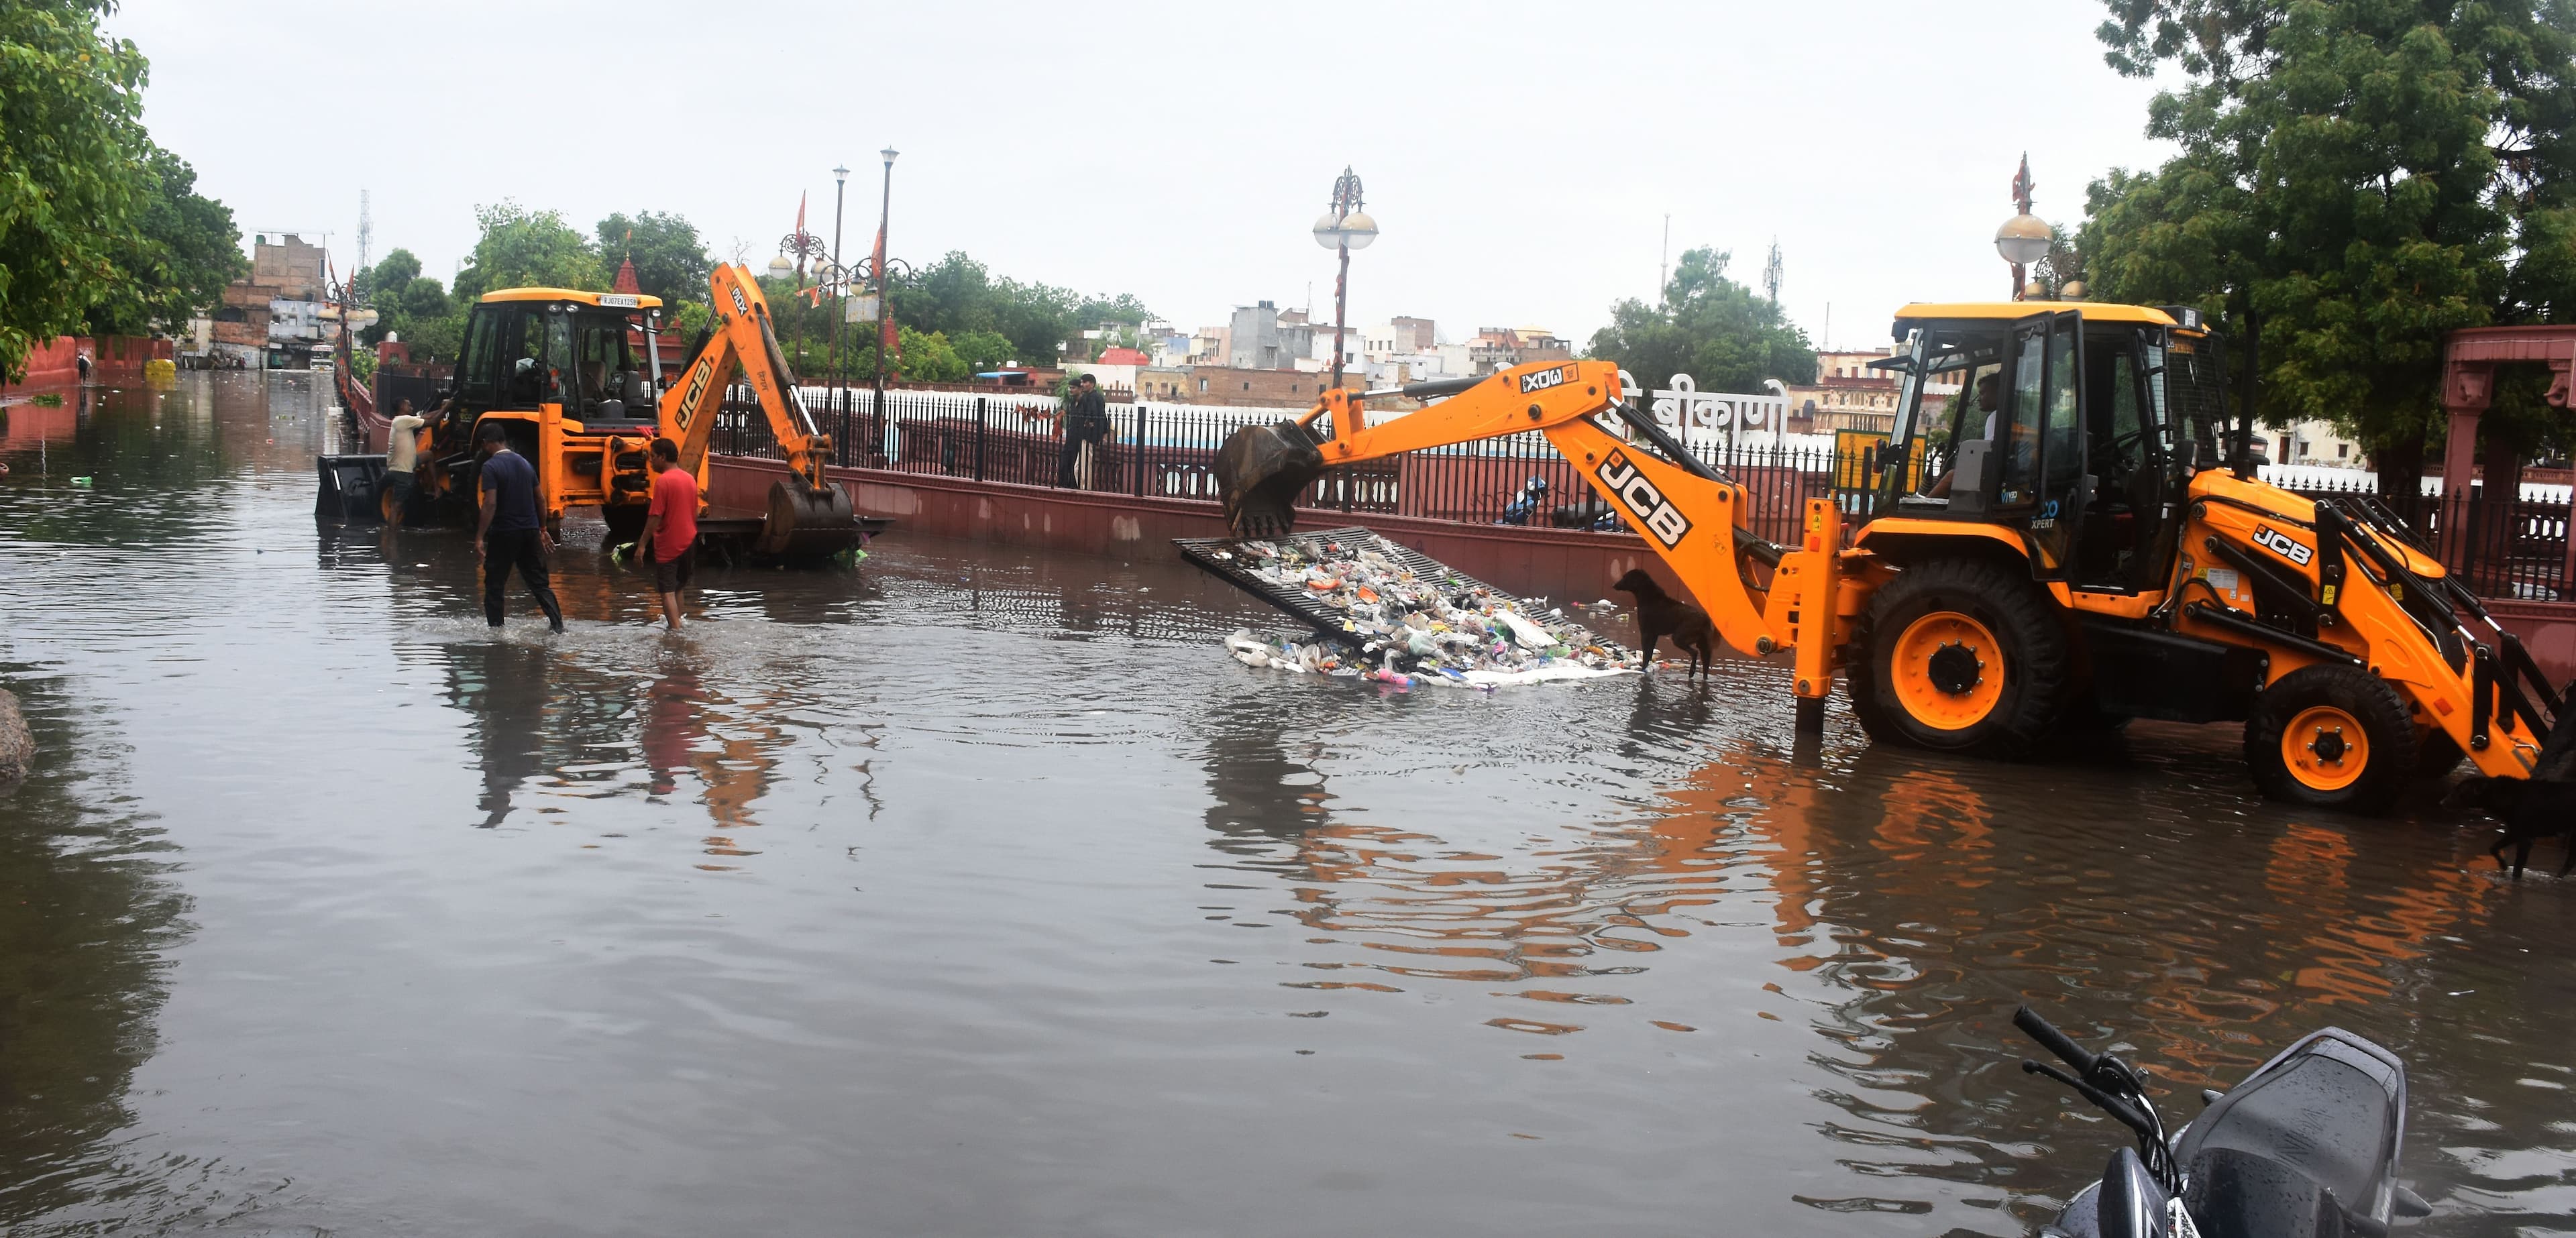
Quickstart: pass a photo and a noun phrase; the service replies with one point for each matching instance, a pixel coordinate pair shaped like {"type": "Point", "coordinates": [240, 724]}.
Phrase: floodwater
{"type": "Point", "coordinates": [977, 892]}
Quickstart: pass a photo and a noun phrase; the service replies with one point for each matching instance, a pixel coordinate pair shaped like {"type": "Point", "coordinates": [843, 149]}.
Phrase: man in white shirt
{"type": "Point", "coordinates": [402, 456]}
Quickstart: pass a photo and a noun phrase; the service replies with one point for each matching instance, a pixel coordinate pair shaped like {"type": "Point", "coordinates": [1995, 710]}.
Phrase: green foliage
{"type": "Point", "coordinates": [1718, 331]}
{"type": "Point", "coordinates": [951, 321]}
{"type": "Point", "coordinates": [521, 248]}
{"type": "Point", "coordinates": [179, 251]}
{"type": "Point", "coordinates": [2356, 180]}
{"type": "Point", "coordinates": [412, 305]}
{"type": "Point", "coordinates": [982, 350]}
{"type": "Point", "coordinates": [927, 357]}
{"type": "Point", "coordinates": [436, 339]}
{"type": "Point", "coordinates": [395, 272]}
{"type": "Point", "coordinates": [958, 296]}
{"type": "Point", "coordinates": [671, 261]}
{"type": "Point", "coordinates": [71, 140]}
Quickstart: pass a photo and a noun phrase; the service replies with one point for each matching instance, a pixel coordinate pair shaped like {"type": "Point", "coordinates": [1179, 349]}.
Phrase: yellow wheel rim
{"type": "Point", "coordinates": [2325, 748]}
{"type": "Point", "coordinates": [1949, 671]}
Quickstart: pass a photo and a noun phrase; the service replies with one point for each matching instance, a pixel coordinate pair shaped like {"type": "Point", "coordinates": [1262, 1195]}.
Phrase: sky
{"type": "Point", "coordinates": [1520, 159]}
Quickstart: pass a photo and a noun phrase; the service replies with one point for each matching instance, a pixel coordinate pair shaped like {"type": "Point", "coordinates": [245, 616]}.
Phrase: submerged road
{"type": "Point", "coordinates": [979, 892]}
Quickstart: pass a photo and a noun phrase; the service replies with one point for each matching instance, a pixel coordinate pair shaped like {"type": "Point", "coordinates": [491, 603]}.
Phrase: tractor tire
{"type": "Point", "coordinates": [2332, 736]}
{"type": "Point", "coordinates": [1964, 655]}
{"type": "Point", "coordinates": [1864, 689]}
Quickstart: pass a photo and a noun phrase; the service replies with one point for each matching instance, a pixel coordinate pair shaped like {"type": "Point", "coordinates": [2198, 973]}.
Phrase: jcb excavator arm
{"type": "Point", "coordinates": [1690, 515]}
{"type": "Point", "coordinates": [743, 342]}
{"type": "Point", "coordinates": [807, 515]}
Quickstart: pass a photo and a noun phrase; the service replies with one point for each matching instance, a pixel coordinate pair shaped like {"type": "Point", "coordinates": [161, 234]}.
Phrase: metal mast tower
{"type": "Point", "coordinates": [366, 234]}
{"type": "Point", "coordinates": [1770, 272]}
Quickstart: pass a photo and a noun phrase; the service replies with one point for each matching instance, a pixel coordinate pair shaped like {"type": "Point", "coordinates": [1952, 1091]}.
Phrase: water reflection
{"type": "Point", "coordinates": [86, 914]}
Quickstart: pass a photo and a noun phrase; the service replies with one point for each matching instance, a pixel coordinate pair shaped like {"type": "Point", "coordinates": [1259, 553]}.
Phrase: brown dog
{"type": "Point", "coordinates": [1660, 614]}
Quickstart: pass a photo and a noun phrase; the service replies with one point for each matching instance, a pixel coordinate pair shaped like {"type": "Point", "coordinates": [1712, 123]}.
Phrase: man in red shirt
{"type": "Point", "coordinates": [670, 537]}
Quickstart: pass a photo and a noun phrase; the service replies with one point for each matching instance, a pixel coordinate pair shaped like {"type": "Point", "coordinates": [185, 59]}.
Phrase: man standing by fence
{"type": "Point", "coordinates": [1086, 425]}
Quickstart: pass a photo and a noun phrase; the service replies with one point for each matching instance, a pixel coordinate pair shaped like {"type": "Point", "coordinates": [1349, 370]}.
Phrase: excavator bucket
{"type": "Point", "coordinates": [1261, 470]}
{"type": "Point", "coordinates": [806, 523]}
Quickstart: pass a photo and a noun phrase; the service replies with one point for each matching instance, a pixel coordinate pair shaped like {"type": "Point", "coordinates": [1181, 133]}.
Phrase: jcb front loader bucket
{"type": "Point", "coordinates": [348, 489]}
{"type": "Point", "coordinates": [1261, 470]}
{"type": "Point", "coordinates": [806, 523]}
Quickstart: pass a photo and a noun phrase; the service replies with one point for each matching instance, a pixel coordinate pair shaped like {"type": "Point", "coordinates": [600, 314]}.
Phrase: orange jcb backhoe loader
{"type": "Point", "coordinates": [576, 377]}
{"type": "Point", "coordinates": [2074, 539]}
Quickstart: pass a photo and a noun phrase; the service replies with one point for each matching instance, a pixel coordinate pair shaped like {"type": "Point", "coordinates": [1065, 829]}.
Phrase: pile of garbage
{"type": "Point", "coordinates": [1404, 626]}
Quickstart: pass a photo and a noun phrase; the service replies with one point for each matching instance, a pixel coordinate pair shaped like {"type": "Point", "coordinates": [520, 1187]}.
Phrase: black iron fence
{"type": "Point", "coordinates": [2505, 546]}
{"type": "Point", "coordinates": [2517, 549]}
{"type": "Point", "coordinates": [1169, 451]}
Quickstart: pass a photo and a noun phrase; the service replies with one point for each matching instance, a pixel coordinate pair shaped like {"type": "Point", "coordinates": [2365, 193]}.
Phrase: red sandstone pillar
{"type": "Point", "coordinates": [2466, 391]}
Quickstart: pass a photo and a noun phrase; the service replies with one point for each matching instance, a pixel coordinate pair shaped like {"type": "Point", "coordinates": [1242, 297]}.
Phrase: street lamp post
{"type": "Point", "coordinates": [885, 302]}
{"type": "Point", "coordinates": [2024, 238]}
{"type": "Point", "coordinates": [841, 283]}
{"type": "Point", "coordinates": [1344, 228]}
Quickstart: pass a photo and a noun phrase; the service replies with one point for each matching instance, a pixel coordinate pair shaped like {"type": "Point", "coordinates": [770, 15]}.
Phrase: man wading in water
{"type": "Point", "coordinates": [670, 539]}
{"type": "Point", "coordinates": [509, 533]}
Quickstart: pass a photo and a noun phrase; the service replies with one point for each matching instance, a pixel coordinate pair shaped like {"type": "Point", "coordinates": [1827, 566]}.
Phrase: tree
{"type": "Point", "coordinates": [175, 257]}
{"type": "Point", "coordinates": [2356, 180]}
{"type": "Point", "coordinates": [391, 275]}
{"type": "Point", "coordinates": [671, 261]}
{"type": "Point", "coordinates": [71, 105]}
{"type": "Point", "coordinates": [1709, 327]}
{"type": "Point", "coordinates": [521, 248]}
{"type": "Point", "coordinates": [958, 295]}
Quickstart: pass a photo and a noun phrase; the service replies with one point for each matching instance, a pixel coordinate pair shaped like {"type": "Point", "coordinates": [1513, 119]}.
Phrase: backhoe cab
{"type": "Point", "coordinates": [2063, 532]}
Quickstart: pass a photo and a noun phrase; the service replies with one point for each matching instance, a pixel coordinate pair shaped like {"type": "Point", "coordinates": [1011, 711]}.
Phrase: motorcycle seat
{"type": "Point", "coordinates": [2326, 1112]}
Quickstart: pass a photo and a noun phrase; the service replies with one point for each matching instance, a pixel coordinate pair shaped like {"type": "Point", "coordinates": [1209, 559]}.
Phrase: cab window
{"type": "Point", "coordinates": [601, 358]}
{"type": "Point", "coordinates": [1952, 398]}
{"type": "Point", "coordinates": [538, 357]}
{"type": "Point", "coordinates": [477, 371]}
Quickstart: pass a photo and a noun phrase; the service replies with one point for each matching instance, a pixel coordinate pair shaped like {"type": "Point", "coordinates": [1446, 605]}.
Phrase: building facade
{"type": "Point", "coordinates": [282, 302]}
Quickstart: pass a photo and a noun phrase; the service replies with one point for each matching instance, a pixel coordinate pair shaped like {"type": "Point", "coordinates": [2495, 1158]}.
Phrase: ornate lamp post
{"type": "Point", "coordinates": [2023, 239]}
{"type": "Point", "coordinates": [1344, 228]}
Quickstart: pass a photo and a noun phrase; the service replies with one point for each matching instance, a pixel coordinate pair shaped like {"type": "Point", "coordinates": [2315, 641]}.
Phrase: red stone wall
{"type": "Point", "coordinates": [1560, 564]}
{"type": "Point", "coordinates": [55, 363]}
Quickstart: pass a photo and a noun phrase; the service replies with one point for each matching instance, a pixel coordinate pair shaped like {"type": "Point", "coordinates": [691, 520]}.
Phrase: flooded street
{"type": "Point", "coordinates": [976, 891]}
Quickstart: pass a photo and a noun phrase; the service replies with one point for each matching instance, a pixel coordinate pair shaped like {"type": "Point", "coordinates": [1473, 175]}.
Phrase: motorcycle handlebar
{"type": "Point", "coordinates": [2053, 1040]}
{"type": "Point", "coordinates": [2120, 1110]}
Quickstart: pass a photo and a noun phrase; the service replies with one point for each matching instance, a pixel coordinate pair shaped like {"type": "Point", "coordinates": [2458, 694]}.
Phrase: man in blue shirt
{"type": "Point", "coordinates": [510, 533]}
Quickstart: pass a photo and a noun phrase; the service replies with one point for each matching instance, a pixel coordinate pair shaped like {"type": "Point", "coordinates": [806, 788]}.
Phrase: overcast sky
{"type": "Point", "coordinates": [1520, 159]}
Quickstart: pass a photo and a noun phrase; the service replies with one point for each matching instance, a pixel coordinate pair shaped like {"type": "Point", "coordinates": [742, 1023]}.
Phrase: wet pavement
{"type": "Point", "coordinates": [977, 891]}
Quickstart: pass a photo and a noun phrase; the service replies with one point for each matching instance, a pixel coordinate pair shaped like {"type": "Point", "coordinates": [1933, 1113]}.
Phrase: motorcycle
{"type": "Point", "coordinates": [2305, 1147]}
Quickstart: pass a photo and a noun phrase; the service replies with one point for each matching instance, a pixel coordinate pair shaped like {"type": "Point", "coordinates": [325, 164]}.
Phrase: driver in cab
{"type": "Point", "coordinates": [1990, 402]}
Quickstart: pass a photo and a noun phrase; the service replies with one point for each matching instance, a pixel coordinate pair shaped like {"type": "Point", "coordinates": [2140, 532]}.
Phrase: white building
{"type": "Point", "coordinates": [2311, 443]}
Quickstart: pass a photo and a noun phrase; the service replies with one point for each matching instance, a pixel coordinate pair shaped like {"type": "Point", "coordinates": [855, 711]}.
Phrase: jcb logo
{"type": "Point", "coordinates": [740, 306]}
{"type": "Point", "coordinates": [2282, 544]}
{"type": "Point", "coordinates": [1545, 379]}
{"type": "Point", "coordinates": [1644, 501]}
{"type": "Point", "coordinates": [698, 376]}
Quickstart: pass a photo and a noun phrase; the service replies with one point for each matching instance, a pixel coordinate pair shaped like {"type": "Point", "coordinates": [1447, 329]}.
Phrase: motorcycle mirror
{"type": "Point", "coordinates": [2210, 1096]}
{"type": "Point", "coordinates": [2410, 1204]}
